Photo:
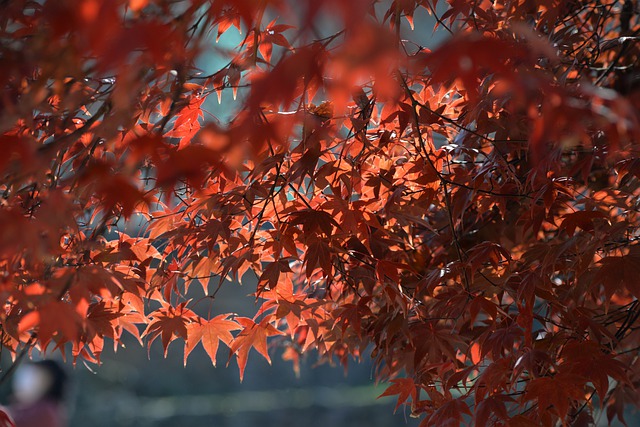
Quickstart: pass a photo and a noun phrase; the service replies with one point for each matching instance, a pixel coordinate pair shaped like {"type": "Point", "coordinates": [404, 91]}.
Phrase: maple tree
{"type": "Point", "coordinates": [469, 213]}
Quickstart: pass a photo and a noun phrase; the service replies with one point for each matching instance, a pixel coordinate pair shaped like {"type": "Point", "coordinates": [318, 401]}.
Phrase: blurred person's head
{"type": "Point", "coordinates": [36, 381]}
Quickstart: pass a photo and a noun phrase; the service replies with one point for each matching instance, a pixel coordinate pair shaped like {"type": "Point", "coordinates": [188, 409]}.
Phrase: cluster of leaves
{"type": "Point", "coordinates": [469, 213]}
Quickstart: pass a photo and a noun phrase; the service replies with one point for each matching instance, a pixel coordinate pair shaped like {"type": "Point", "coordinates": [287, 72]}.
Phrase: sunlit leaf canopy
{"type": "Point", "coordinates": [466, 211]}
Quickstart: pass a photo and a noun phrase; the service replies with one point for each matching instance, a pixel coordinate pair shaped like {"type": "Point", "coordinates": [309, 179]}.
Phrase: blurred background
{"type": "Point", "coordinates": [134, 389]}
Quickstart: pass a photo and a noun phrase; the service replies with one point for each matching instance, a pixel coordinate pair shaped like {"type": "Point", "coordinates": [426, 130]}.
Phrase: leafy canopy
{"type": "Point", "coordinates": [469, 212]}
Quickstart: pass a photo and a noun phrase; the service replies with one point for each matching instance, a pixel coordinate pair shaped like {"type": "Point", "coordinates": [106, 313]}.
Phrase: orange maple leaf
{"type": "Point", "coordinates": [253, 335]}
{"type": "Point", "coordinates": [209, 333]}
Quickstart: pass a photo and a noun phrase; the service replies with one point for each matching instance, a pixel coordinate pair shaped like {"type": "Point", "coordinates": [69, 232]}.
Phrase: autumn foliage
{"type": "Point", "coordinates": [467, 214]}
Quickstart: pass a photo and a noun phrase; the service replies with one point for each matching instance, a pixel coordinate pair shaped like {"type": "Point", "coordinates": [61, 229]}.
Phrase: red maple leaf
{"type": "Point", "coordinates": [405, 388]}
{"type": "Point", "coordinates": [169, 323]}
